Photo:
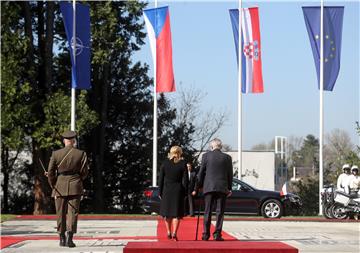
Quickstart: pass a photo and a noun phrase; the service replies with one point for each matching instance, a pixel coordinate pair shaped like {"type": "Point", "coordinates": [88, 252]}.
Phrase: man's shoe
{"type": "Point", "coordinates": [69, 241]}
{"type": "Point", "coordinates": [62, 240]}
{"type": "Point", "coordinates": [217, 237]}
{"type": "Point", "coordinates": [205, 237]}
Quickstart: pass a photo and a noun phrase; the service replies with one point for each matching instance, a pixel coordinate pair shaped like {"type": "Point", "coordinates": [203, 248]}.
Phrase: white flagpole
{"type": "Point", "coordinates": [240, 95]}
{"type": "Point", "coordinates": [321, 103]}
{"type": "Point", "coordinates": [155, 127]}
{"type": "Point", "coordinates": [73, 93]}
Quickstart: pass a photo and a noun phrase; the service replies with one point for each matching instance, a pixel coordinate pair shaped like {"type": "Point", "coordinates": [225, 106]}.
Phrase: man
{"type": "Point", "coordinates": [215, 178]}
{"type": "Point", "coordinates": [68, 168]}
{"type": "Point", "coordinates": [353, 182]}
{"type": "Point", "coordinates": [190, 188]}
{"type": "Point", "coordinates": [343, 177]}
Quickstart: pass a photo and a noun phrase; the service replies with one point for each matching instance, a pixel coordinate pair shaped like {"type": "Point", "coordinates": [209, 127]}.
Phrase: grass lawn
{"type": "Point", "coordinates": [5, 217]}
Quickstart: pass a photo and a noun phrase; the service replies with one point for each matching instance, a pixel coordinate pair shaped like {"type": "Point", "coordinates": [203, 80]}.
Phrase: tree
{"type": "Point", "coordinates": [263, 146]}
{"type": "Point", "coordinates": [308, 191]}
{"type": "Point", "coordinates": [14, 94]}
{"type": "Point", "coordinates": [32, 101]}
{"type": "Point", "coordinates": [309, 153]}
{"type": "Point", "coordinates": [205, 124]}
{"type": "Point", "coordinates": [337, 148]}
{"type": "Point", "coordinates": [114, 118]}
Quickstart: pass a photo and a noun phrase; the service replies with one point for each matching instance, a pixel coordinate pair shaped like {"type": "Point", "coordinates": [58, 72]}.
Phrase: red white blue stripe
{"type": "Point", "coordinates": [157, 22]}
{"type": "Point", "coordinates": [252, 81]}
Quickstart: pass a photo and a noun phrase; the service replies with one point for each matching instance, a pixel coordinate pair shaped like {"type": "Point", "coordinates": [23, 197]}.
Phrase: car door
{"type": "Point", "coordinates": [243, 199]}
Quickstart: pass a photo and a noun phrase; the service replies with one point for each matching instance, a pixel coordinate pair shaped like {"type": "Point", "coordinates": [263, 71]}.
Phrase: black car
{"type": "Point", "coordinates": [245, 199]}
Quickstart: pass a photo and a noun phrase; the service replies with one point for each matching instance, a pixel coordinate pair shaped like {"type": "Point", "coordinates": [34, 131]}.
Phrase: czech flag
{"type": "Point", "coordinates": [157, 22]}
{"type": "Point", "coordinates": [251, 81]}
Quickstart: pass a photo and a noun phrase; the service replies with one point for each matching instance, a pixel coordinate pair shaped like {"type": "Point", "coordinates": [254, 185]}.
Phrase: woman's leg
{"type": "Point", "coordinates": [168, 225]}
{"type": "Point", "coordinates": [175, 226]}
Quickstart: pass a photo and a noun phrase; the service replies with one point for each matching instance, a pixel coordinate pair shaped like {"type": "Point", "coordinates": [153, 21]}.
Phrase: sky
{"type": "Point", "coordinates": [204, 59]}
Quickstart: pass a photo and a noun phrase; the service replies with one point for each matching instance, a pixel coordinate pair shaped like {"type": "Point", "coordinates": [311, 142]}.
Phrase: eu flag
{"type": "Point", "coordinates": [333, 19]}
{"type": "Point", "coordinates": [80, 71]}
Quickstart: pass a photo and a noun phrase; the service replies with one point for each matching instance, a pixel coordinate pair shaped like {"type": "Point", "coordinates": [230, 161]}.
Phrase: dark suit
{"type": "Point", "coordinates": [68, 168]}
{"type": "Point", "coordinates": [215, 177]}
{"type": "Point", "coordinates": [189, 200]}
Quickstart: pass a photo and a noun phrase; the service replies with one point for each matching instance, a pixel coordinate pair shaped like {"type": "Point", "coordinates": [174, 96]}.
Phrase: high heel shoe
{"type": "Point", "coordinates": [174, 237]}
{"type": "Point", "coordinates": [169, 236]}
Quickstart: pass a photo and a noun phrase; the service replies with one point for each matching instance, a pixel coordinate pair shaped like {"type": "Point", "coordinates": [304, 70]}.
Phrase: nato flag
{"type": "Point", "coordinates": [80, 70]}
{"type": "Point", "coordinates": [333, 19]}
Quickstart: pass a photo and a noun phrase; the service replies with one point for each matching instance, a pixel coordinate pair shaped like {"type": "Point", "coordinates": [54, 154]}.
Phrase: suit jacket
{"type": "Point", "coordinates": [216, 172]}
{"type": "Point", "coordinates": [192, 181]}
{"type": "Point", "coordinates": [68, 167]}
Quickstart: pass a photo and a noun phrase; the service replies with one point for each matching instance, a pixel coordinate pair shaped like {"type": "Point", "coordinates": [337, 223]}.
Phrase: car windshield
{"type": "Point", "coordinates": [238, 185]}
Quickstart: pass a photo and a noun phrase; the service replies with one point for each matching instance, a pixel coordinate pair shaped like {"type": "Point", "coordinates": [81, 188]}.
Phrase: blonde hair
{"type": "Point", "coordinates": [175, 153]}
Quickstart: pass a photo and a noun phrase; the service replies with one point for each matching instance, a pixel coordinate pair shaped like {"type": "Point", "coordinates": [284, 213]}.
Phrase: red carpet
{"type": "Point", "coordinates": [187, 230]}
{"type": "Point", "coordinates": [208, 247]}
{"type": "Point", "coordinates": [187, 243]}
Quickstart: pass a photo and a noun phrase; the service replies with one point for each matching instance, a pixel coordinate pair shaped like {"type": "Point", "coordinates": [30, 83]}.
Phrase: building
{"type": "Point", "coordinates": [261, 169]}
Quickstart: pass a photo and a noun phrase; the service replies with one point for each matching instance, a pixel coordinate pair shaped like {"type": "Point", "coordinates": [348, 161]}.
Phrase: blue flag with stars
{"type": "Point", "coordinates": [333, 20]}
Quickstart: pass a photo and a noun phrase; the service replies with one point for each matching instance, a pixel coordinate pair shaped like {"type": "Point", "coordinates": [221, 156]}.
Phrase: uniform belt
{"type": "Point", "coordinates": [68, 173]}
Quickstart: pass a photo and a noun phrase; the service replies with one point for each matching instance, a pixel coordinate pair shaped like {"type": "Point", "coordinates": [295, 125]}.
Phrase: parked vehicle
{"type": "Point", "coordinates": [327, 200]}
{"type": "Point", "coordinates": [245, 199]}
{"type": "Point", "coordinates": [345, 205]}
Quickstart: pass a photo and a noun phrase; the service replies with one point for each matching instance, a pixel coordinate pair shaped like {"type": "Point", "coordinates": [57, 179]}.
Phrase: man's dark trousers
{"type": "Point", "coordinates": [210, 199]}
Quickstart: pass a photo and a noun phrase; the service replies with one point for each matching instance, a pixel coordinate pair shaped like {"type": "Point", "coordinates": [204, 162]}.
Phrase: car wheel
{"type": "Point", "coordinates": [272, 208]}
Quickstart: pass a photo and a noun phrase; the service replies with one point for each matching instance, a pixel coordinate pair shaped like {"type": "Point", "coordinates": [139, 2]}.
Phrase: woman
{"type": "Point", "coordinates": [172, 182]}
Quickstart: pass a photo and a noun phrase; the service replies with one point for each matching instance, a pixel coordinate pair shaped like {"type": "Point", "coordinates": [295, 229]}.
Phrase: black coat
{"type": "Point", "coordinates": [172, 184]}
{"type": "Point", "coordinates": [192, 181]}
{"type": "Point", "coordinates": [216, 172]}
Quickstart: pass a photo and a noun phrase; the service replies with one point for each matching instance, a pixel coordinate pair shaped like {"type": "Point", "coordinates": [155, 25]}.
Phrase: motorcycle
{"type": "Point", "coordinates": [327, 200]}
{"type": "Point", "coordinates": [345, 205]}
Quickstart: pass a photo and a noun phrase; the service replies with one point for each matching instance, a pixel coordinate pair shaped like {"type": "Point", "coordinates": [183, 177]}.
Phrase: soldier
{"type": "Point", "coordinates": [68, 168]}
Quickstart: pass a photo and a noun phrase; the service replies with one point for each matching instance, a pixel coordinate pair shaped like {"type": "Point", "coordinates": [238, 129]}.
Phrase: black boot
{"type": "Point", "coordinates": [69, 241]}
{"type": "Point", "coordinates": [62, 240]}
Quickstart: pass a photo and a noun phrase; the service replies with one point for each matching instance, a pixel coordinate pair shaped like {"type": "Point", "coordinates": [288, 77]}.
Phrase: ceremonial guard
{"type": "Point", "coordinates": [68, 168]}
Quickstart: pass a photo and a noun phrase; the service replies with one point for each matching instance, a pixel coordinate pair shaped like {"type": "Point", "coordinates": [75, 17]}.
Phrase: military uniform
{"type": "Point", "coordinates": [68, 168]}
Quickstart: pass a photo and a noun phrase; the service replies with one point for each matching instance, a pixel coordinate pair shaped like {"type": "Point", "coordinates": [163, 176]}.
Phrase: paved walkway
{"type": "Point", "coordinates": [112, 235]}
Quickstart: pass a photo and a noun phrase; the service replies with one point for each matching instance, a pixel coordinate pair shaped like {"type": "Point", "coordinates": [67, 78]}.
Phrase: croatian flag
{"type": "Point", "coordinates": [157, 22]}
{"type": "Point", "coordinates": [251, 80]}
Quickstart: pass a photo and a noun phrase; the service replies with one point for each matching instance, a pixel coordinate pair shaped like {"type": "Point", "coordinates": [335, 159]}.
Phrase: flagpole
{"type": "Point", "coordinates": [73, 93]}
{"type": "Point", "coordinates": [240, 95]}
{"type": "Point", "coordinates": [321, 103]}
{"type": "Point", "coordinates": [155, 127]}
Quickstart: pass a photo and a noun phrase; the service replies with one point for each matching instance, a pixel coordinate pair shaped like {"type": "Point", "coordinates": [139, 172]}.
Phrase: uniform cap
{"type": "Point", "coordinates": [354, 167]}
{"type": "Point", "coordinates": [69, 134]}
{"type": "Point", "coordinates": [346, 166]}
